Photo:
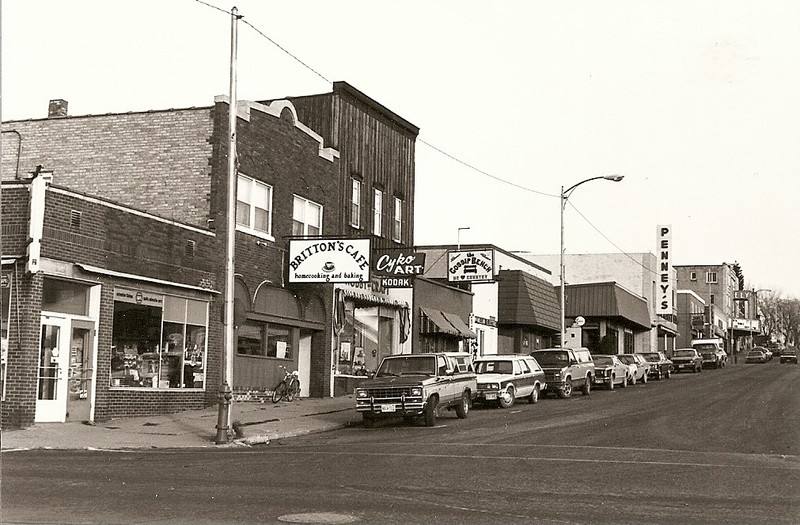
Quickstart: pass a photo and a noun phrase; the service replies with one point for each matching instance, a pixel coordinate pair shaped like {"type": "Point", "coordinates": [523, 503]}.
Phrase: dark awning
{"type": "Point", "coordinates": [607, 300]}
{"type": "Point", "coordinates": [525, 299]}
{"type": "Point", "coordinates": [436, 321]}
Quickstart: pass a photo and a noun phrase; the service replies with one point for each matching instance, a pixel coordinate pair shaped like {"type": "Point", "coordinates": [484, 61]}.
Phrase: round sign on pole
{"type": "Point", "coordinates": [580, 321]}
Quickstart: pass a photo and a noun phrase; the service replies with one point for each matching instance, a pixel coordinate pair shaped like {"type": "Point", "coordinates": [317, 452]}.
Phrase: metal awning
{"type": "Point", "coordinates": [438, 322]}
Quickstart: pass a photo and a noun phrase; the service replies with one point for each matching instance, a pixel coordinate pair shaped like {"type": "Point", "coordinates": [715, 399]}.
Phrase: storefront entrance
{"type": "Point", "coordinates": [65, 370]}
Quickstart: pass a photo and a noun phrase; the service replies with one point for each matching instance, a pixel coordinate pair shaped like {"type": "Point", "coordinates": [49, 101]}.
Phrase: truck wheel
{"type": "Point", "coordinates": [369, 419]}
{"type": "Point", "coordinates": [534, 397]}
{"type": "Point", "coordinates": [587, 386]}
{"type": "Point", "coordinates": [566, 390]}
{"type": "Point", "coordinates": [462, 408]}
{"type": "Point", "coordinates": [430, 411]}
{"type": "Point", "coordinates": [507, 398]}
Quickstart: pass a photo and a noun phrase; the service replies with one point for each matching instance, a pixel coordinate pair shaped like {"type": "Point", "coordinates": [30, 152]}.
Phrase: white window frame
{"type": "Point", "coordinates": [377, 212]}
{"type": "Point", "coordinates": [305, 203]}
{"type": "Point", "coordinates": [692, 276]}
{"type": "Point", "coordinates": [355, 204]}
{"type": "Point", "coordinates": [397, 230]}
{"type": "Point", "coordinates": [248, 228]}
{"type": "Point", "coordinates": [711, 278]}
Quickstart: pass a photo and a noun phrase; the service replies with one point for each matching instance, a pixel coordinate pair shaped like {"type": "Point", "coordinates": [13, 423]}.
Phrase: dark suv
{"type": "Point", "coordinates": [565, 369]}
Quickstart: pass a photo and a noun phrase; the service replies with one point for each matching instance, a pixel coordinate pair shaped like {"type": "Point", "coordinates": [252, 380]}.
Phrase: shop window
{"type": "Point", "coordinates": [265, 340]}
{"type": "Point", "coordinates": [159, 341]}
{"type": "Point", "coordinates": [306, 217]}
{"type": "Point", "coordinates": [377, 212]}
{"type": "Point", "coordinates": [65, 297]}
{"type": "Point", "coordinates": [355, 204]}
{"type": "Point", "coordinates": [254, 206]}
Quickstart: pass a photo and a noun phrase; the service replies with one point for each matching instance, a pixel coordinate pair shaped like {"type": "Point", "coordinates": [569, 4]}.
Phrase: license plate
{"type": "Point", "coordinates": [491, 396]}
{"type": "Point", "coordinates": [388, 408]}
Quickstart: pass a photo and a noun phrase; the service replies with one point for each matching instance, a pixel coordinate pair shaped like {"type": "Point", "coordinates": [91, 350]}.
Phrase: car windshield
{"type": "Point", "coordinates": [400, 366]}
{"type": "Point", "coordinates": [652, 357]}
{"type": "Point", "coordinates": [602, 360]}
{"type": "Point", "coordinates": [705, 347]}
{"type": "Point", "coordinates": [495, 367]}
{"type": "Point", "coordinates": [756, 352]}
{"type": "Point", "coordinates": [552, 358]}
{"type": "Point", "coordinates": [683, 353]}
{"type": "Point", "coordinates": [627, 359]}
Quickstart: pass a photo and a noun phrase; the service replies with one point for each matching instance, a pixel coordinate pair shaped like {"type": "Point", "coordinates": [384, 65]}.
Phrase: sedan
{"type": "Point", "coordinates": [789, 355]}
{"type": "Point", "coordinates": [641, 367]}
{"type": "Point", "coordinates": [756, 355]}
{"type": "Point", "coordinates": [660, 364]}
{"type": "Point", "coordinates": [610, 371]}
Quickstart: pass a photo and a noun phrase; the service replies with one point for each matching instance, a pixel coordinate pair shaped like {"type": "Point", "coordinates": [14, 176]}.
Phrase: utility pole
{"type": "Point", "coordinates": [224, 415]}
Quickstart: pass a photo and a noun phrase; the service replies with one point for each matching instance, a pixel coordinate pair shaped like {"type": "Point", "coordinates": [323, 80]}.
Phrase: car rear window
{"type": "Point", "coordinates": [548, 358]}
{"type": "Point", "coordinates": [495, 367]}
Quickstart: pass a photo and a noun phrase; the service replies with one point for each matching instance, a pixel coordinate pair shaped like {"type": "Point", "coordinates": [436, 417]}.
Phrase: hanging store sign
{"type": "Point", "coordinates": [664, 304]}
{"type": "Point", "coordinates": [329, 260]}
{"type": "Point", "coordinates": [397, 269]}
{"type": "Point", "coordinates": [470, 266]}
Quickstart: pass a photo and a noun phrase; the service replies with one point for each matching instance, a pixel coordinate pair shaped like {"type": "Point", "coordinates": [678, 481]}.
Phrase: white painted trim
{"type": "Point", "coordinates": [112, 273]}
{"type": "Point", "coordinates": [275, 108]}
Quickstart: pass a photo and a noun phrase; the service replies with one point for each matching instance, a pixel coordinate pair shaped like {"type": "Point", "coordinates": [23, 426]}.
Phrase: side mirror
{"type": "Point", "coordinates": [450, 372]}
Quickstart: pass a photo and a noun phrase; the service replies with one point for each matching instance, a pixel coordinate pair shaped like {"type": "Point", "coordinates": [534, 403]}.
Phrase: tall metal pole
{"type": "Point", "coordinates": [224, 416]}
{"type": "Point", "coordinates": [562, 202]}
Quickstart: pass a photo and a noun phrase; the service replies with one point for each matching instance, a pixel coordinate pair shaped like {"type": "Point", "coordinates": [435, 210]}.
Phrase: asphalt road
{"type": "Point", "coordinates": [716, 447]}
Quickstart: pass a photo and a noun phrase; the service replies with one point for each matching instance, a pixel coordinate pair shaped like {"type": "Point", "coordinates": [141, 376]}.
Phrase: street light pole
{"type": "Point", "coordinates": [458, 240]}
{"type": "Point", "coordinates": [564, 196]}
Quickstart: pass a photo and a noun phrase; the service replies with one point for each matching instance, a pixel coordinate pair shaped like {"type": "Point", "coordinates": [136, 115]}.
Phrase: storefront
{"type": "Point", "coordinates": [370, 323]}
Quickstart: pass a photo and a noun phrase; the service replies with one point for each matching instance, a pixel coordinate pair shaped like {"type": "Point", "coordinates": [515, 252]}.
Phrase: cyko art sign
{"type": "Point", "coordinates": [329, 260]}
{"type": "Point", "coordinates": [397, 269]}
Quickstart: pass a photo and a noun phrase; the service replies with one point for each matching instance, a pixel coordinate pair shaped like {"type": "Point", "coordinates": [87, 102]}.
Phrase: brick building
{"type": "Point", "coordinates": [159, 179]}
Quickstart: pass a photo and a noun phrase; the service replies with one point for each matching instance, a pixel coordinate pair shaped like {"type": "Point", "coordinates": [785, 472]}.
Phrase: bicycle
{"type": "Point", "coordinates": [288, 388]}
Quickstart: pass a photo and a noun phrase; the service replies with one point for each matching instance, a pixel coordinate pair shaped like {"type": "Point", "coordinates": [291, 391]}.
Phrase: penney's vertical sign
{"type": "Point", "coordinates": [664, 253]}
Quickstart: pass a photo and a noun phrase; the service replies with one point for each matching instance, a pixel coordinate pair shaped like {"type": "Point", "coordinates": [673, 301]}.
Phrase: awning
{"type": "Point", "coordinates": [373, 299]}
{"type": "Point", "coordinates": [436, 321]}
{"type": "Point", "coordinates": [460, 325]}
{"type": "Point", "coordinates": [112, 273]}
{"type": "Point", "coordinates": [607, 299]}
{"type": "Point", "coordinates": [524, 299]}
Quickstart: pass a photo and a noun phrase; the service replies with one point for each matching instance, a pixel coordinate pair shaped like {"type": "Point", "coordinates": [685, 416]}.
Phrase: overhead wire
{"type": "Point", "coordinates": [436, 148]}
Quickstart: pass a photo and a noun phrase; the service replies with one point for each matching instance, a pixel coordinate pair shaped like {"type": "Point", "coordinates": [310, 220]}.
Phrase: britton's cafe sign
{"type": "Point", "coordinates": [664, 260]}
{"type": "Point", "coordinates": [397, 269]}
{"type": "Point", "coordinates": [329, 260]}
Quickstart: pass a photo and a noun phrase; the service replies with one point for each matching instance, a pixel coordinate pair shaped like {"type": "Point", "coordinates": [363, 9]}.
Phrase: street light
{"type": "Point", "coordinates": [458, 245]}
{"type": "Point", "coordinates": [564, 196]}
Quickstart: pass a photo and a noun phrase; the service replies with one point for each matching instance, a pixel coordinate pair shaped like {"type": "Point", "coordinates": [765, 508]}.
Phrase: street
{"type": "Point", "coordinates": [721, 446]}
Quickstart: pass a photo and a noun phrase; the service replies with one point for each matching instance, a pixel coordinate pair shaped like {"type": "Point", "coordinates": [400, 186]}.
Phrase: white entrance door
{"type": "Point", "coordinates": [52, 387]}
{"type": "Point", "coordinates": [304, 362]}
{"type": "Point", "coordinates": [81, 358]}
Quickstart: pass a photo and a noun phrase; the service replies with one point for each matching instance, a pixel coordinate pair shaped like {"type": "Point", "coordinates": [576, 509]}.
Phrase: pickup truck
{"type": "Point", "coordinates": [711, 351]}
{"type": "Point", "coordinates": [566, 369]}
{"type": "Point", "coordinates": [417, 385]}
{"type": "Point", "coordinates": [687, 359]}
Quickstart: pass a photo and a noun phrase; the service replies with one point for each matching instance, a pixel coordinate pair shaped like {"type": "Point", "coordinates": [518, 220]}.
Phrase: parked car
{"type": "Point", "coordinates": [711, 350]}
{"type": "Point", "coordinates": [687, 359]}
{"type": "Point", "coordinates": [414, 385]}
{"type": "Point", "coordinates": [660, 364]}
{"type": "Point", "coordinates": [641, 368]}
{"type": "Point", "coordinates": [504, 378]}
{"type": "Point", "coordinates": [566, 368]}
{"type": "Point", "coordinates": [756, 355]}
{"type": "Point", "coordinates": [610, 371]}
{"type": "Point", "coordinates": [789, 355]}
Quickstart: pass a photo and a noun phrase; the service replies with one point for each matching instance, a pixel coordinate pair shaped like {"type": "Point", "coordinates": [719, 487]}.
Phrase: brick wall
{"type": "Point", "coordinates": [156, 161]}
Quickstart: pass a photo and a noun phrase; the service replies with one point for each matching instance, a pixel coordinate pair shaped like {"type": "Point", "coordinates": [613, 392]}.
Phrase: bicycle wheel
{"type": "Point", "coordinates": [279, 392]}
{"type": "Point", "coordinates": [293, 390]}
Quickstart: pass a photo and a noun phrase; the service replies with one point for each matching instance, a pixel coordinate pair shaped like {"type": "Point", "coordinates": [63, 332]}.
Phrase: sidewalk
{"type": "Point", "coordinates": [259, 423]}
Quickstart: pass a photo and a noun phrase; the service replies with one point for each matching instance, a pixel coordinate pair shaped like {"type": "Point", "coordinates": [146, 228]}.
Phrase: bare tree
{"type": "Point", "coordinates": [780, 318]}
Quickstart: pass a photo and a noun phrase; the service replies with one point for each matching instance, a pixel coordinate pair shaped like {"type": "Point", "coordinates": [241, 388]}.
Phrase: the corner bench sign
{"type": "Point", "coordinates": [329, 260]}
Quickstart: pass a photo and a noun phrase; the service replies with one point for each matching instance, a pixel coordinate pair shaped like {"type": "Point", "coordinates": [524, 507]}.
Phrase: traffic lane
{"type": "Point", "coordinates": [734, 409]}
{"type": "Point", "coordinates": [401, 482]}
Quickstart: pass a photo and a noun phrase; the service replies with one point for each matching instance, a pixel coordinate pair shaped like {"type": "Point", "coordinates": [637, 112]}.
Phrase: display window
{"type": "Point", "coordinates": [159, 341]}
{"type": "Point", "coordinates": [265, 340]}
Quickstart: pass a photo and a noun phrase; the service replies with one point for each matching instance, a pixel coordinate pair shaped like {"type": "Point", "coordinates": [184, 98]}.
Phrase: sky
{"type": "Point", "coordinates": [696, 103]}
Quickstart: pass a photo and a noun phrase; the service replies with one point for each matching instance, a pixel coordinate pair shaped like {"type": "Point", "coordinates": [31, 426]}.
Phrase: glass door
{"type": "Point", "coordinates": [81, 371]}
{"type": "Point", "coordinates": [52, 388]}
